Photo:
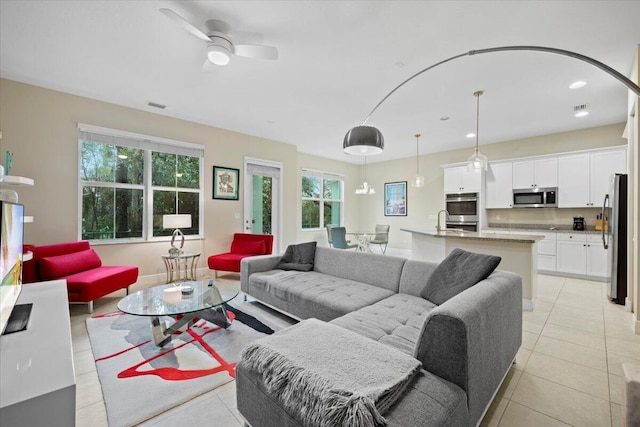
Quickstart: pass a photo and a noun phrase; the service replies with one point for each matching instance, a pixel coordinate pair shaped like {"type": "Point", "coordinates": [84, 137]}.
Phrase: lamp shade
{"type": "Point", "coordinates": [176, 221]}
{"type": "Point", "coordinates": [363, 141]}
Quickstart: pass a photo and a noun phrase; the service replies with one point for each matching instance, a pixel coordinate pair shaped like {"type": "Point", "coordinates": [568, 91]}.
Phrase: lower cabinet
{"type": "Point", "coordinates": [581, 254]}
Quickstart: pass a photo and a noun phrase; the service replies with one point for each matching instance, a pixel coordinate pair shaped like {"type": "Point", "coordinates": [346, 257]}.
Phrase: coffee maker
{"type": "Point", "coordinates": [578, 223]}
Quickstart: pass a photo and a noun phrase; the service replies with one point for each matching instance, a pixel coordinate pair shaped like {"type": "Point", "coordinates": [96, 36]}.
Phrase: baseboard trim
{"type": "Point", "coordinates": [574, 276]}
{"type": "Point", "coordinates": [528, 304]}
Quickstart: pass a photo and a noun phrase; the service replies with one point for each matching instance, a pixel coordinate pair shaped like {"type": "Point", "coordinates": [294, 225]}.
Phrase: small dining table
{"type": "Point", "coordinates": [364, 239]}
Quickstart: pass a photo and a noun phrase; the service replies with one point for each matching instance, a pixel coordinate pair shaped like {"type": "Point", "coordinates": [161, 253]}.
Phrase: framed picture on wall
{"type": "Point", "coordinates": [225, 183]}
{"type": "Point", "coordinates": [395, 198]}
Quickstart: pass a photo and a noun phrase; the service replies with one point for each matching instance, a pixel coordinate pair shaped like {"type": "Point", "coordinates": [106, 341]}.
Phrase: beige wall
{"type": "Point", "coordinates": [633, 127]}
{"type": "Point", "coordinates": [40, 127]}
{"type": "Point", "coordinates": [424, 203]}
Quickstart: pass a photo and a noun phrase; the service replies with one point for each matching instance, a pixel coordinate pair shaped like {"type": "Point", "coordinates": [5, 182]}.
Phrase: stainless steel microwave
{"type": "Point", "coordinates": [535, 198]}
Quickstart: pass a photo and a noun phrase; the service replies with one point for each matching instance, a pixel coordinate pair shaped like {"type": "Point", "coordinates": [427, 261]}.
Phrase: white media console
{"type": "Point", "coordinates": [37, 377]}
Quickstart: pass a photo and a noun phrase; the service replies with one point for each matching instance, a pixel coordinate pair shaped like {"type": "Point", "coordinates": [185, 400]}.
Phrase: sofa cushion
{"type": "Point", "coordinates": [254, 247]}
{"type": "Point", "coordinates": [92, 284]}
{"type": "Point", "coordinates": [298, 257]}
{"type": "Point", "coordinates": [458, 271]}
{"type": "Point", "coordinates": [396, 321]}
{"type": "Point", "coordinates": [313, 294]}
{"type": "Point", "coordinates": [63, 265]}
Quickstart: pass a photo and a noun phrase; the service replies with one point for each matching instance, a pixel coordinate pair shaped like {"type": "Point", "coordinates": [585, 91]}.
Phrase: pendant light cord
{"type": "Point", "coordinates": [417, 158]}
{"type": "Point", "coordinates": [477, 94]}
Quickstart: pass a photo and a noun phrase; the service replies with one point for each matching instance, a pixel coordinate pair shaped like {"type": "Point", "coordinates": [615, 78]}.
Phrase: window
{"type": "Point", "coordinates": [321, 199]}
{"type": "Point", "coordinates": [129, 181]}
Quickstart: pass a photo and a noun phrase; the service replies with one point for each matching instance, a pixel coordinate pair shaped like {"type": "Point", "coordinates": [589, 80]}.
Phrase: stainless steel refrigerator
{"type": "Point", "coordinates": [614, 209]}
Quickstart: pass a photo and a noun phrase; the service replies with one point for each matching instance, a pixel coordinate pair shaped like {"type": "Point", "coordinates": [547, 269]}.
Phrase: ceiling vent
{"type": "Point", "coordinates": [156, 105]}
{"type": "Point", "coordinates": [581, 107]}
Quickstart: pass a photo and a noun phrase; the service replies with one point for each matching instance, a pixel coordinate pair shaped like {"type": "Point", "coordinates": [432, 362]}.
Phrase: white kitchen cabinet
{"type": "Point", "coordinates": [458, 179]}
{"type": "Point", "coordinates": [499, 185]}
{"type": "Point", "coordinates": [583, 179]}
{"type": "Point", "coordinates": [545, 249]}
{"type": "Point", "coordinates": [573, 181]}
{"type": "Point", "coordinates": [596, 257]}
{"type": "Point", "coordinates": [538, 173]}
{"type": "Point", "coordinates": [602, 166]}
{"type": "Point", "coordinates": [571, 253]}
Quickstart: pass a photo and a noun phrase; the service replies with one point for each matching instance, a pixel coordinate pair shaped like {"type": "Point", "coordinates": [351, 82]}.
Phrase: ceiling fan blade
{"type": "Point", "coordinates": [208, 66]}
{"type": "Point", "coordinates": [185, 24]}
{"type": "Point", "coordinates": [256, 51]}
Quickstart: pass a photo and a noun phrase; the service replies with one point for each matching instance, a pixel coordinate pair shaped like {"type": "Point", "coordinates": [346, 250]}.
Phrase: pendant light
{"type": "Point", "coordinates": [477, 161]}
{"type": "Point", "coordinates": [365, 188]}
{"type": "Point", "coordinates": [363, 141]}
{"type": "Point", "coordinates": [418, 180]}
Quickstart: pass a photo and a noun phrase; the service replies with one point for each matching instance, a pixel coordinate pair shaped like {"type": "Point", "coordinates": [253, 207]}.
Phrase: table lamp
{"type": "Point", "coordinates": [176, 221]}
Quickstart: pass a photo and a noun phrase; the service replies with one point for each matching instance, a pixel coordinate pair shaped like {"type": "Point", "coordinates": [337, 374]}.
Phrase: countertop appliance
{"type": "Point", "coordinates": [614, 208]}
{"type": "Point", "coordinates": [535, 197]}
{"type": "Point", "coordinates": [463, 211]}
{"type": "Point", "coordinates": [578, 223]}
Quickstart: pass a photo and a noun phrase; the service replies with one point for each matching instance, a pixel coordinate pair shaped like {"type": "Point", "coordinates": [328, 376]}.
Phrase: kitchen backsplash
{"type": "Point", "coordinates": [551, 216]}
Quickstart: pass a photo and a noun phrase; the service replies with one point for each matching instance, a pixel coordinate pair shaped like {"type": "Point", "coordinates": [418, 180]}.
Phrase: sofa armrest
{"type": "Point", "coordinates": [472, 339]}
{"type": "Point", "coordinates": [255, 264]}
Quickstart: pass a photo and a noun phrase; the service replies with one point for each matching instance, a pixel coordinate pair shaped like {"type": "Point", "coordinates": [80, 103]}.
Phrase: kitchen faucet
{"type": "Point", "coordinates": [438, 227]}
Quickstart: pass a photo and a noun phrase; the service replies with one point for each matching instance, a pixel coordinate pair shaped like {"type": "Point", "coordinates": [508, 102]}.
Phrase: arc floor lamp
{"type": "Point", "coordinates": [366, 140]}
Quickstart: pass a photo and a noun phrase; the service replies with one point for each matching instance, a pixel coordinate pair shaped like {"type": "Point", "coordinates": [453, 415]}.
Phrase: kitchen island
{"type": "Point", "coordinates": [518, 252]}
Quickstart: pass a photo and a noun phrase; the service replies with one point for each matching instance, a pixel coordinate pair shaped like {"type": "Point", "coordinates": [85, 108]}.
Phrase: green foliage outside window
{"type": "Point", "coordinates": [113, 191]}
{"type": "Point", "coordinates": [321, 202]}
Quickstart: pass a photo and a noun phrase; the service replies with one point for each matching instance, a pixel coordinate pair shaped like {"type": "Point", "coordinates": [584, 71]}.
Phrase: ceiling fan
{"type": "Point", "coordinates": [220, 46]}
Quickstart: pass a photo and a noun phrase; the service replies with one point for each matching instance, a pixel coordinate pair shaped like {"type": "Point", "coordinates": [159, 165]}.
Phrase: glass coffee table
{"type": "Point", "coordinates": [206, 300]}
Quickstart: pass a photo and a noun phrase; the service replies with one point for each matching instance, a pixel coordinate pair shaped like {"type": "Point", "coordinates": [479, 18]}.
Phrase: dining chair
{"type": "Point", "coordinates": [329, 238]}
{"type": "Point", "coordinates": [338, 235]}
{"type": "Point", "coordinates": [382, 236]}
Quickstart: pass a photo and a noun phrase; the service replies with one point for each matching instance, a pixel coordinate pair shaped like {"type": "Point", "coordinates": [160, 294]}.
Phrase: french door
{"type": "Point", "coordinates": [262, 199]}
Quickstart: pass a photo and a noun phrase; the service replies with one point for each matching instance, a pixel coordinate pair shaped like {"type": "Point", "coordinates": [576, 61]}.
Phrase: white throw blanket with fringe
{"type": "Point", "coordinates": [326, 375]}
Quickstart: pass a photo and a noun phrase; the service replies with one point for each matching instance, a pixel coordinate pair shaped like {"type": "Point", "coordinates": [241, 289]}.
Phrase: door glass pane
{"type": "Point", "coordinates": [261, 204]}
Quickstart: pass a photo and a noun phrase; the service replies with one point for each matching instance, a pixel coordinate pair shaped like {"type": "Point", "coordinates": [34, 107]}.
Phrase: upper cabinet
{"type": "Point", "coordinates": [458, 179]}
{"type": "Point", "coordinates": [583, 179]}
{"type": "Point", "coordinates": [539, 173]}
{"type": "Point", "coordinates": [499, 187]}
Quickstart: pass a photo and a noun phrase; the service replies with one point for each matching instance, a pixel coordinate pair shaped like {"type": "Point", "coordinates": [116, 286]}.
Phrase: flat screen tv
{"type": "Point", "coordinates": [11, 239]}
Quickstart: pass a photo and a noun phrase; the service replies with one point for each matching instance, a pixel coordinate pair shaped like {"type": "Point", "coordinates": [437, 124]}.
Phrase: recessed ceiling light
{"type": "Point", "coordinates": [582, 114]}
{"type": "Point", "coordinates": [578, 84]}
{"type": "Point", "coordinates": [471, 135]}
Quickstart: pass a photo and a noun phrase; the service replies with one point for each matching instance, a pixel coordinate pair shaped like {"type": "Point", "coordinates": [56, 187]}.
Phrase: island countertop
{"type": "Point", "coordinates": [473, 235]}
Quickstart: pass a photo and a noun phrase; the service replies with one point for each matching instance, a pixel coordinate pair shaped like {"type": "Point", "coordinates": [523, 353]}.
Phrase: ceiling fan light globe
{"type": "Point", "coordinates": [218, 55]}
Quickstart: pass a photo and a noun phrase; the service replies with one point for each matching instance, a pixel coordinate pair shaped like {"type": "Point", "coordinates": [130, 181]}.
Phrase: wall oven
{"type": "Point", "coordinates": [463, 211]}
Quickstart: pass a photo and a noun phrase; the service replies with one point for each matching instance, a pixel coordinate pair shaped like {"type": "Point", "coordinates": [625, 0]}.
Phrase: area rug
{"type": "Point", "coordinates": [140, 380]}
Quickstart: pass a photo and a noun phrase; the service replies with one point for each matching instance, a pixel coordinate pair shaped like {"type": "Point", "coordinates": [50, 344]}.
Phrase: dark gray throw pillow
{"type": "Point", "coordinates": [459, 271]}
{"type": "Point", "coordinates": [298, 257]}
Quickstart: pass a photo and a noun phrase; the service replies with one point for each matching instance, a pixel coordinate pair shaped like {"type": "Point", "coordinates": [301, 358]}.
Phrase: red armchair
{"type": "Point", "coordinates": [243, 245]}
{"type": "Point", "coordinates": [87, 279]}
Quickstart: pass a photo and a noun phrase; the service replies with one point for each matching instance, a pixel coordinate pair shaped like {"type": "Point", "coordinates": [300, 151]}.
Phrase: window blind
{"type": "Point", "coordinates": [129, 139]}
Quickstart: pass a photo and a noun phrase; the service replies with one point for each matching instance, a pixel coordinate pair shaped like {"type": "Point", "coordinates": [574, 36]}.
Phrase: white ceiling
{"type": "Point", "coordinates": [338, 59]}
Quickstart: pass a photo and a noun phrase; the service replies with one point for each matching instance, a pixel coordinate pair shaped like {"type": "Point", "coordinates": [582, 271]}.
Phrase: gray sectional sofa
{"type": "Point", "coordinates": [466, 344]}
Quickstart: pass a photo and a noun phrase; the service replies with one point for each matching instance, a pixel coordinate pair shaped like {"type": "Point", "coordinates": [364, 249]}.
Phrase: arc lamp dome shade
{"type": "Point", "coordinates": [363, 141]}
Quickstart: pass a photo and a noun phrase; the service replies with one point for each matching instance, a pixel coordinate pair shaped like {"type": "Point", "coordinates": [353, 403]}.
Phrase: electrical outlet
{"type": "Point", "coordinates": [498, 216]}
{"type": "Point", "coordinates": [237, 216]}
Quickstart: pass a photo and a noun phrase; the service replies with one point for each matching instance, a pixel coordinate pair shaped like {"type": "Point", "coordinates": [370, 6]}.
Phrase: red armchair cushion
{"type": "Point", "coordinates": [64, 265]}
{"type": "Point", "coordinates": [252, 247]}
{"type": "Point", "coordinates": [226, 262]}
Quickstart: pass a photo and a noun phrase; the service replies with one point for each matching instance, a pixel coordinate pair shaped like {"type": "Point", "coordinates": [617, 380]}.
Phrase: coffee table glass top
{"type": "Point", "coordinates": [155, 301]}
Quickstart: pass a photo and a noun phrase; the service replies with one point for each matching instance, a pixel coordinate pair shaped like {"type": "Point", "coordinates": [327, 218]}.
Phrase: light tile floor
{"type": "Point", "coordinates": [567, 372]}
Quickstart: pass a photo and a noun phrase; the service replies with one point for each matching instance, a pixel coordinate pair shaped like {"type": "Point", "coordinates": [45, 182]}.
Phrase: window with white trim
{"type": "Point", "coordinates": [322, 199]}
{"type": "Point", "coordinates": [128, 181]}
